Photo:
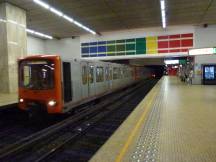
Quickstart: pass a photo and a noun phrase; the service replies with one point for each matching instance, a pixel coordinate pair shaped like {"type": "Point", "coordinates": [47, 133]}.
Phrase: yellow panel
{"type": "Point", "coordinates": [151, 45]}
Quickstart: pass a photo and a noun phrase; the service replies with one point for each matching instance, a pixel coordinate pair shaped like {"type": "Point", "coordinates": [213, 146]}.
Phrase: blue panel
{"type": "Point", "coordinates": [85, 49]}
{"type": "Point", "coordinates": [84, 44]}
{"type": "Point", "coordinates": [102, 49]}
{"type": "Point", "coordinates": [93, 43]}
{"type": "Point", "coordinates": [101, 54]}
{"type": "Point", "coordinates": [102, 42]}
{"type": "Point", "coordinates": [93, 49]}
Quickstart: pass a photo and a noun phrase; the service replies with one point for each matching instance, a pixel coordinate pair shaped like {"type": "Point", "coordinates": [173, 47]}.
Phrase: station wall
{"type": "Point", "coordinates": [68, 48]}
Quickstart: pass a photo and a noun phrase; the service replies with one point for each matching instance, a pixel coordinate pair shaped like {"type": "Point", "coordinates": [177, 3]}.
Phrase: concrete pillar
{"type": "Point", "coordinates": [13, 42]}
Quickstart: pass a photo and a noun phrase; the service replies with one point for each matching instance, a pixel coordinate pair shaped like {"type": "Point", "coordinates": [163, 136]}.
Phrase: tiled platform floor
{"type": "Point", "coordinates": [174, 123]}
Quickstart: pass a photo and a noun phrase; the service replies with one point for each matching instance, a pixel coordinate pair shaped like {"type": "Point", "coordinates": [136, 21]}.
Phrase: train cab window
{"type": "Point", "coordinates": [115, 73]}
{"type": "Point", "coordinates": [84, 75]}
{"type": "Point", "coordinates": [99, 74]}
{"type": "Point", "coordinates": [91, 74]}
{"type": "Point", "coordinates": [36, 74]}
{"type": "Point", "coordinates": [107, 73]}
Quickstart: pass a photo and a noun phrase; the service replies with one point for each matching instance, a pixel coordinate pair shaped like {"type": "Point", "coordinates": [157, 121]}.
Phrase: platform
{"type": "Point", "coordinates": [7, 99]}
{"type": "Point", "coordinates": [175, 122]}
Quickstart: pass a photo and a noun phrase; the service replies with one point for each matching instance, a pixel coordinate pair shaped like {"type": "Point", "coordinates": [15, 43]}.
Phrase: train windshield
{"type": "Point", "coordinates": [37, 74]}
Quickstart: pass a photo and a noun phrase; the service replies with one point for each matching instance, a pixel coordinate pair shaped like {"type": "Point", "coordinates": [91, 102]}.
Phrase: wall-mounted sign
{"type": "Point", "coordinates": [202, 51]}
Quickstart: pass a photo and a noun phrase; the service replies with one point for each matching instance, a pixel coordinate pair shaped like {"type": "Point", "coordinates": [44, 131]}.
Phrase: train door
{"type": "Point", "coordinates": [110, 77]}
{"type": "Point", "coordinates": [91, 79]}
{"type": "Point", "coordinates": [106, 73]}
{"type": "Point", "coordinates": [67, 82]}
{"type": "Point", "coordinates": [84, 82]}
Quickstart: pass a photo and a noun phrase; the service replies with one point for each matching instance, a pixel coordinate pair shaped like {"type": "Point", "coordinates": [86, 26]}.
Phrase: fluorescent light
{"type": "Point", "coordinates": [163, 13]}
{"type": "Point", "coordinates": [168, 62]}
{"type": "Point", "coordinates": [162, 5]}
{"type": "Point", "coordinates": [202, 51]}
{"type": "Point", "coordinates": [61, 14]}
{"type": "Point", "coordinates": [42, 4]}
{"type": "Point", "coordinates": [38, 34]}
{"type": "Point", "coordinates": [68, 18]}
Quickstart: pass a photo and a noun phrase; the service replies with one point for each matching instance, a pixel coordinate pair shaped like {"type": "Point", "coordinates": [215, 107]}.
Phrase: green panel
{"type": "Point", "coordinates": [140, 46]}
{"type": "Point", "coordinates": [130, 53]}
{"type": "Point", "coordinates": [121, 53]}
{"type": "Point", "coordinates": [120, 47]}
{"type": "Point", "coordinates": [111, 48]}
{"type": "Point", "coordinates": [111, 54]}
{"type": "Point", "coordinates": [130, 47]}
{"type": "Point", "coordinates": [214, 50]}
{"type": "Point", "coordinates": [138, 52]}
{"type": "Point", "coordinates": [140, 40]}
{"type": "Point", "coordinates": [130, 40]}
{"type": "Point", "coordinates": [120, 41]}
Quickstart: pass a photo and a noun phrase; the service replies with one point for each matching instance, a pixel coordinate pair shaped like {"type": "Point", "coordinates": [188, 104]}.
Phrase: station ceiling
{"type": "Point", "coordinates": [110, 15]}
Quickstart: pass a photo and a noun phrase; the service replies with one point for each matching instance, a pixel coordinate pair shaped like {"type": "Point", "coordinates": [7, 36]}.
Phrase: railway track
{"type": "Point", "coordinates": [81, 134]}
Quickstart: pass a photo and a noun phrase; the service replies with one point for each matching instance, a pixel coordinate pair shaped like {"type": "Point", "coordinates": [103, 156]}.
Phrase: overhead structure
{"type": "Point", "coordinates": [61, 14]}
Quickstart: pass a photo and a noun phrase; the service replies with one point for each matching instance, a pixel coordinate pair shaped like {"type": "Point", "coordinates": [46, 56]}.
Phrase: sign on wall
{"type": "Point", "coordinates": [202, 51]}
{"type": "Point", "coordinates": [178, 43]}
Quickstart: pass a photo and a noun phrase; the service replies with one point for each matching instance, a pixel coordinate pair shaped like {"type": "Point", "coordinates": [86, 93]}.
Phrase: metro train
{"type": "Point", "coordinates": [55, 85]}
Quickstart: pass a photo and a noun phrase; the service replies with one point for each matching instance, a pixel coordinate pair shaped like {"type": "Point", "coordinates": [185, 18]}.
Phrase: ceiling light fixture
{"type": "Point", "coordinates": [61, 14]}
{"type": "Point", "coordinates": [38, 34]}
{"type": "Point", "coordinates": [163, 13]}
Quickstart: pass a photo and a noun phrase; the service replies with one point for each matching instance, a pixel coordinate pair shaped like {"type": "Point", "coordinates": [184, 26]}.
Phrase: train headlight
{"type": "Point", "coordinates": [21, 100]}
{"type": "Point", "coordinates": [52, 103]}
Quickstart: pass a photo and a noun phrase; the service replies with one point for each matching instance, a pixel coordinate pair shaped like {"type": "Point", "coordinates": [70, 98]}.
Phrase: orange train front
{"type": "Point", "coordinates": [40, 83]}
{"type": "Point", "coordinates": [48, 83]}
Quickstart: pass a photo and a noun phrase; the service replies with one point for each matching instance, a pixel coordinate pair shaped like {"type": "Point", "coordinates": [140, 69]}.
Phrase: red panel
{"type": "Point", "coordinates": [163, 44]}
{"type": "Point", "coordinates": [174, 43]}
{"type": "Point", "coordinates": [184, 50]}
{"type": "Point", "coordinates": [187, 43]}
{"type": "Point", "coordinates": [163, 51]}
{"type": "Point", "coordinates": [163, 37]}
{"type": "Point", "coordinates": [187, 35]}
{"type": "Point", "coordinates": [175, 36]}
{"type": "Point", "coordinates": [174, 50]}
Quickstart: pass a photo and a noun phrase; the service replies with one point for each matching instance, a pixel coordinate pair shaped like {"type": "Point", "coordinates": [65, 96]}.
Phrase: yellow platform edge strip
{"type": "Point", "coordinates": [135, 130]}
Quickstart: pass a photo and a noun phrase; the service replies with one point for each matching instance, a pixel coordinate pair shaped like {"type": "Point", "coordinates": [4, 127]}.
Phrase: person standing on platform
{"type": "Point", "coordinates": [190, 76]}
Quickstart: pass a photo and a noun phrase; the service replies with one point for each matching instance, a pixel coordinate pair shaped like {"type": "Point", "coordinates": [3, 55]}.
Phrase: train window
{"type": "Point", "coordinates": [107, 73]}
{"type": "Point", "coordinates": [36, 74]}
{"type": "Point", "coordinates": [67, 81]}
{"type": "Point", "coordinates": [84, 75]}
{"type": "Point", "coordinates": [110, 73]}
{"type": "Point", "coordinates": [99, 74]}
{"type": "Point", "coordinates": [115, 73]}
{"type": "Point", "coordinates": [91, 74]}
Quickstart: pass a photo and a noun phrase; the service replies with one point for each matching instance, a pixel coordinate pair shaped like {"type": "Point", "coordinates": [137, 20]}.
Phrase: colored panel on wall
{"type": "Point", "coordinates": [187, 42]}
{"type": "Point", "coordinates": [163, 51]}
{"type": "Point", "coordinates": [175, 36]}
{"type": "Point", "coordinates": [163, 37]}
{"type": "Point", "coordinates": [151, 45]}
{"type": "Point", "coordinates": [140, 46]}
{"type": "Point", "coordinates": [174, 43]}
{"type": "Point", "coordinates": [187, 35]}
{"type": "Point", "coordinates": [101, 49]}
{"type": "Point", "coordinates": [93, 49]}
{"type": "Point", "coordinates": [85, 50]}
{"type": "Point", "coordinates": [163, 44]}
